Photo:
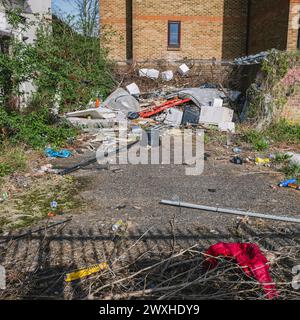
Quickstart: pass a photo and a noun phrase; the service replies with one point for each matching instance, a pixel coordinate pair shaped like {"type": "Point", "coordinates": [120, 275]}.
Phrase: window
{"type": "Point", "coordinates": [174, 28]}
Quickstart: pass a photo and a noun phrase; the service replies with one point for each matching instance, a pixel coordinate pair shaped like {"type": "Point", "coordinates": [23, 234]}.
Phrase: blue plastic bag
{"type": "Point", "coordinates": [50, 153]}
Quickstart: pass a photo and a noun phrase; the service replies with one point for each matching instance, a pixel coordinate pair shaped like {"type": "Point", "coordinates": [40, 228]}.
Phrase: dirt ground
{"type": "Point", "coordinates": [36, 264]}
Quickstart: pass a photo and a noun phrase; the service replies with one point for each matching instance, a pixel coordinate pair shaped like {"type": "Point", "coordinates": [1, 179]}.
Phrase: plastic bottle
{"type": "Point", "coordinates": [117, 225]}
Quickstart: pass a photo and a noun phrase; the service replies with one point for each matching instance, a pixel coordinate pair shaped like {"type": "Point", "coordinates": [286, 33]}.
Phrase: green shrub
{"type": "Point", "coordinates": [35, 129]}
{"type": "Point", "coordinates": [283, 131]}
{"type": "Point", "coordinates": [257, 140]}
{"type": "Point", "coordinates": [292, 170]}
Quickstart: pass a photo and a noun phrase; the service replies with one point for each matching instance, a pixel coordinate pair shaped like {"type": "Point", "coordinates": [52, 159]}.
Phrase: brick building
{"type": "Point", "coordinates": [143, 30]}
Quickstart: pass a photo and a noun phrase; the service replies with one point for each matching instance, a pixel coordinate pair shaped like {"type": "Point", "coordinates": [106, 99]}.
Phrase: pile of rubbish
{"type": "Point", "coordinates": [167, 108]}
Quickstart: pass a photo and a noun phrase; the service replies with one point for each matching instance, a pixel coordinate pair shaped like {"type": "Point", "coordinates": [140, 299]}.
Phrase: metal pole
{"type": "Point", "coordinates": [228, 211]}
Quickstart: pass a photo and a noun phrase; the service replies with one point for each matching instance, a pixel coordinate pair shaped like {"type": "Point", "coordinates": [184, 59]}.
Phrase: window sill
{"type": "Point", "coordinates": [173, 49]}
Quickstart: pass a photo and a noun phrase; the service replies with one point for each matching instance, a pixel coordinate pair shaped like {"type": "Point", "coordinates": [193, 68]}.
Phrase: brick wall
{"type": "Point", "coordinates": [268, 25]}
{"type": "Point", "coordinates": [113, 27]}
{"type": "Point", "coordinates": [291, 110]}
{"type": "Point", "coordinates": [215, 28]}
{"type": "Point", "coordinates": [293, 25]}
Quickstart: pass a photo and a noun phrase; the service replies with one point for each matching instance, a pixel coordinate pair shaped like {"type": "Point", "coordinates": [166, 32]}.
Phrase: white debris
{"type": "Point", "coordinates": [133, 89]}
{"type": "Point", "coordinates": [212, 115]}
{"type": "Point", "coordinates": [174, 117]}
{"type": "Point", "coordinates": [149, 73]}
{"type": "Point", "coordinates": [227, 126]}
{"type": "Point", "coordinates": [218, 103]}
{"type": "Point", "coordinates": [143, 72]}
{"type": "Point", "coordinates": [152, 74]}
{"type": "Point", "coordinates": [99, 113]}
{"type": "Point", "coordinates": [167, 75]}
{"type": "Point", "coordinates": [183, 69]}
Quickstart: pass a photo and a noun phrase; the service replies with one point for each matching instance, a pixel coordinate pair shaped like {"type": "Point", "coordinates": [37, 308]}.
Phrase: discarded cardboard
{"type": "Point", "coordinates": [218, 103]}
{"type": "Point", "coordinates": [183, 69]}
{"type": "Point", "coordinates": [99, 113]}
{"type": "Point", "coordinates": [212, 115]}
{"type": "Point", "coordinates": [133, 89]}
{"type": "Point", "coordinates": [152, 74]}
{"type": "Point", "coordinates": [143, 72]}
{"type": "Point", "coordinates": [167, 75]}
{"type": "Point", "coordinates": [227, 126]}
{"type": "Point", "coordinates": [174, 117]}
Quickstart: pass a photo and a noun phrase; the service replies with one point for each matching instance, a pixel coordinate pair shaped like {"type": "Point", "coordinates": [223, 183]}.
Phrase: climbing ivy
{"type": "Point", "coordinates": [60, 63]}
{"type": "Point", "coordinates": [268, 95]}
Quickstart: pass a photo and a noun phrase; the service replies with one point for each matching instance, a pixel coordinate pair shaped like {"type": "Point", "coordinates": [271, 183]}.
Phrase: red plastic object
{"type": "Point", "coordinates": [157, 109]}
{"type": "Point", "coordinates": [249, 257]}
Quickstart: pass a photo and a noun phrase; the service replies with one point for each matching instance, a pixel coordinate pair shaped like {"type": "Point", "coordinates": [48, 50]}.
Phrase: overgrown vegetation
{"type": "Point", "coordinates": [11, 160]}
{"type": "Point", "coordinates": [66, 68]}
{"type": "Point", "coordinates": [268, 95]}
{"type": "Point", "coordinates": [35, 129]}
{"type": "Point", "coordinates": [279, 132]}
{"type": "Point", "coordinates": [33, 204]}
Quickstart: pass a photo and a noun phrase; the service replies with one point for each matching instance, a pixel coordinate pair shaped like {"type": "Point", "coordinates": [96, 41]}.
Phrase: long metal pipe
{"type": "Point", "coordinates": [229, 211]}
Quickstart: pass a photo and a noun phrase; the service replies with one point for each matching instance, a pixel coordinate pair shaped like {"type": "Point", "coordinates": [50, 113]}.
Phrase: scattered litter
{"type": "Point", "coordinates": [285, 183]}
{"type": "Point", "coordinates": [143, 72]}
{"type": "Point", "coordinates": [262, 161]}
{"type": "Point", "coordinates": [167, 75]}
{"type": "Point", "coordinates": [149, 73]}
{"type": "Point", "coordinates": [237, 160]}
{"type": "Point", "coordinates": [212, 115]}
{"type": "Point", "coordinates": [218, 103]}
{"type": "Point", "coordinates": [4, 197]}
{"type": "Point", "coordinates": [133, 89]}
{"type": "Point", "coordinates": [51, 153]}
{"type": "Point", "coordinates": [83, 273]}
{"type": "Point", "coordinates": [201, 96]}
{"type": "Point", "coordinates": [218, 210]}
{"type": "Point", "coordinates": [117, 225]}
{"type": "Point", "coordinates": [291, 183]}
{"type": "Point", "coordinates": [96, 113]}
{"type": "Point", "coordinates": [191, 115]}
{"type": "Point", "coordinates": [253, 59]}
{"type": "Point", "coordinates": [226, 127]}
{"type": "Point", "coordinates": [184, 69]}
{"type": "Point", "coordinates": [249, 257]}
{"type": "Point", "coordinates": [294, 186]}
{"type": "Point", "coordinates": [51, 214]}
{"type": "Point", "coordinates": [174, 117]}
{"type": "Point", "coordinates": [53, 204]}
{"type": "Point", "coordinates": [237, 150]}
{"type": "Point", "coordinates": [121, 100]}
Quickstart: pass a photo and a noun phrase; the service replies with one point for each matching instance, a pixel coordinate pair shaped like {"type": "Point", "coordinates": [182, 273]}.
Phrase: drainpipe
{"type": "Point", "coordinates": [248, 27]}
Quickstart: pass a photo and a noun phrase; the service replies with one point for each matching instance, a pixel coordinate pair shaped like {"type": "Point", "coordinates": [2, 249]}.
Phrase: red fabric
{"type": "Point", "coordinates": [249, 257]}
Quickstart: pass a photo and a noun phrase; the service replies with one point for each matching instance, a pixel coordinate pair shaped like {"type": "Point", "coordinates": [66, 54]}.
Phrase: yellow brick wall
{"type": "Point", "coordinates": [293, 32]}
{"type": "Point", "coordinates": [214, 28]}
{"type": "Point", "coordinates": [113, 27]}
{"type": "Point", "coordinates": [268, 25]}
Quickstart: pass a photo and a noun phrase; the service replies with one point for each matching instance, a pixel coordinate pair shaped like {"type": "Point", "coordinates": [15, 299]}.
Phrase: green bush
{"type": "Point", "coordinates": [283, 131]}
{"type": "Point", "coordinates": [257, 139]}
{"type": "Point", "coordinates": [35, 129]}
{"type": "Point", "coordinates": [62, 64]}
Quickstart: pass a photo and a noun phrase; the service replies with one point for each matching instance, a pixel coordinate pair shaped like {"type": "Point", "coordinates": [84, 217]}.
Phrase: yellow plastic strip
{"type": "Point", "coordinates": [83, 273]}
